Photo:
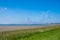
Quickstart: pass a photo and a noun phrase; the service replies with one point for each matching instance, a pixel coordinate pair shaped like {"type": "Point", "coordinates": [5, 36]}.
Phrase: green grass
{"type": "Point", "coordinates": [50, 33]}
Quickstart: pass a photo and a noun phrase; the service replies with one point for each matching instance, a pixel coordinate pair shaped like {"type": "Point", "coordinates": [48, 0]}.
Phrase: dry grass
{"type": "Point", "coordinates": [37, 33]}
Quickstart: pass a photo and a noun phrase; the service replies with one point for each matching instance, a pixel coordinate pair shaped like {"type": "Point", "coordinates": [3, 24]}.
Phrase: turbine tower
{"type": "Point", "coordinates": [29, 20]}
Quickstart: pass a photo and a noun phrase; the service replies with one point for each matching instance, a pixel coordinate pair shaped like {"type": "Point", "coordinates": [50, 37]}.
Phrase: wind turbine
{"type": "Point", "coordinates": [48, 17]}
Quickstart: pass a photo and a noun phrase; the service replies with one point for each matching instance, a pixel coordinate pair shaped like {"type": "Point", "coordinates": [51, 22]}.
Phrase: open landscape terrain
{"type": "Point", "coordinates": [11, 28]}
{"type": "Point", "coordinates": [30, 33]}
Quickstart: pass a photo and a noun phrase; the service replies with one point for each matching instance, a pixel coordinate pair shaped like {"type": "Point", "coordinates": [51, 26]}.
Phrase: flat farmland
{"type": "Point", "coordinates": [30, 33]}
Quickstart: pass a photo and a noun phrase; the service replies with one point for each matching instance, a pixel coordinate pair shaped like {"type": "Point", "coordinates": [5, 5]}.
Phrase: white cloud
{"type": "Point", "coordinates": [5, 8]}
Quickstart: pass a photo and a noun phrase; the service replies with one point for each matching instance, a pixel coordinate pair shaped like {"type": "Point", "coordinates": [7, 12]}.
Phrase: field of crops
{"type": "Point", "coordinates": [48, 33]}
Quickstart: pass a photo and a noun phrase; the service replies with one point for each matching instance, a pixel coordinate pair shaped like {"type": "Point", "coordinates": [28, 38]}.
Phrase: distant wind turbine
{"type": "Point", "coordinates": [48, 17]}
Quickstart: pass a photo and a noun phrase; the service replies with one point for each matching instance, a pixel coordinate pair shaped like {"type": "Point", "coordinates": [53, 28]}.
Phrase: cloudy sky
{"type": "Point", "coordinates": [29, 11]}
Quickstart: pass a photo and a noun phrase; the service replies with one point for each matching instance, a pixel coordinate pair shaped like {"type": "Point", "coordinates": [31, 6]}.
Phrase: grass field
{"type": "Point", "coordinates": [48, 33]}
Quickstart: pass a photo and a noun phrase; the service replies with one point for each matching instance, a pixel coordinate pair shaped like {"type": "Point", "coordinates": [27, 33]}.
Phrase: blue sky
{"type": "Point", "coordinates": [29, 11]}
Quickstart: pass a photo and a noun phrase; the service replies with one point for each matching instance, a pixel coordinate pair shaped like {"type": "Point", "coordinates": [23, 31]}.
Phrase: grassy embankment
{"type": "Point", "coordinates": [48, 33]}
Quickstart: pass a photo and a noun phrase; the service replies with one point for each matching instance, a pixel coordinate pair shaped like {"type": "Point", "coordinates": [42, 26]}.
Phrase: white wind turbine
{"type": "Point", "coordinates": [47, 17]}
